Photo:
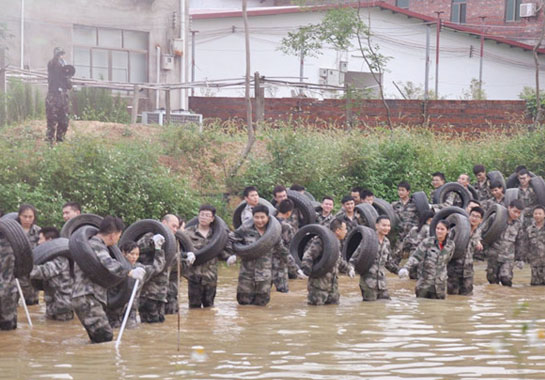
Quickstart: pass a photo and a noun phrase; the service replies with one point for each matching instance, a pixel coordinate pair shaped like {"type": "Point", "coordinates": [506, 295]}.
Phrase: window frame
{"type": "Point", "coordinates": [515, 8]}
{"type": "Point", "coordinates": [403, 6]}
{"type": "Point", "coordinates": [461, 7]}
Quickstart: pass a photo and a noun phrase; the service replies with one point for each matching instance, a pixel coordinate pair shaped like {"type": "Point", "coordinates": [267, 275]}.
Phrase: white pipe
{"type": "Point", "coordinates": [22, 33]}
{"type": "Point", "coordinates": [158, 70]}
{"type": "Point", "coordinates": [182, 58]}
{"type": "Point", "coordinates": [21, 295]}
{"type": "Point", "coordinates": [127, 313]}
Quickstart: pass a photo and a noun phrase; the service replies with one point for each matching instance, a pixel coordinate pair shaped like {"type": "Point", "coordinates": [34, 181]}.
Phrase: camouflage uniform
{"type": "Point", "coordinates": [322, 290]}
{"type": "Point", "coordinates": [29, 292]}
{"type": "Point", "coordinates": [8, 287]}
{"type": "Point", "coordinates": [350, 223]}
{"type": "Point", "coordinates": [502, 253]}
{"type": "Point", "coordinates": [460, 271]}
{"type": "Point", "coordinates": [255, 275]}
{"type": "Point", "coordinates": [483, 190]}
{"type": "Point", "coordinates": [202, 279]}
{"type": "Point", "coordinates": [246, 216]}
{"type": "Point", "coordinates": [529, 199]}
{"type": "Point", "coordinates": [324, 220]}
{"type": "Point", "coordinates": [153, 297]}
{"type": "Point", "coordinates": [535, 253]}
{"type": "Point", "coordinates": [57, 283]}
{"type": "Point", "coordinates": [89, 299]}
{"type": "Point", "coordinates": [408, 218]}
{"type": "Point", "coordinates": [281, 265]}
{"type": "Point", "coordinates": [432, 267]}
{"type": "Point", "coordinates": [56, 102]}
{"type": "Point", "coordinates": [489, 203]}
{"type": "Point", "coordinates": [295, 219]}
{"type": "Point", "coordinates": [373, 283]}
{"type": "Point", "coordinates": [412, 241]}
{"type": "Point", "coordinates": [172, 292]}
{"type": "Point", "coordinates": [115, 316]}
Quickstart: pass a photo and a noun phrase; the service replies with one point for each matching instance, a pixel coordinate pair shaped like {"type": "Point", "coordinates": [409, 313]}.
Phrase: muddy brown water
{"type": "Point", "coordinates": [498, 333]}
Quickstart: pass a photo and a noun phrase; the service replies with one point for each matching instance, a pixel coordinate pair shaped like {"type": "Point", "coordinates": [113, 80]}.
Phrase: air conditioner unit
{"type": "Point", "coordinates": [177, 117]}
{"type": "Point", "coordinates": [528, 9]}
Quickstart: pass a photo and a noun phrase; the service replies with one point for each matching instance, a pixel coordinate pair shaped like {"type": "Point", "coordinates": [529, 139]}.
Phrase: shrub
{"type": "Point", "coordinates": [99, 104]}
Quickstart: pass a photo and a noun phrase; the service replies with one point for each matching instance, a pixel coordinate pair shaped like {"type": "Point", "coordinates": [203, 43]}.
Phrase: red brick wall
{"type": "Point", "coordinates": [443, 115]}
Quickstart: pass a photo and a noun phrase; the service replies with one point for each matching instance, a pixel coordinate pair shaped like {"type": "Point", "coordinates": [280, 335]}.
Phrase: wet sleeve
{"type": "Point", "coordinates": [344, 267]}
{"type": "Point", "coordinates": [313, 250]}
{"type": "Point", "coordinates": [417, 256]}
{"type": "Point", "coordinates": [113, 266]}
{"type": "Point", "coordinates": [49, 269]}
{"type": "Point", "coordinates": [292, 265]}
{"type": "Point", "coordinates": [521, 245]}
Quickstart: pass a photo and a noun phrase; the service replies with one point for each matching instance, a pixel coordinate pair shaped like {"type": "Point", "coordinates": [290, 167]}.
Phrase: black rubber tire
{"type": "Point", "coordinates": [367, 240]}
{"type": "Point", "coordinates": [539, 188]}
{"type": "Point", "coordinates": [241, 205]}
{"type": "Point", "coordinates": [305, 207]}
{"type": "Point", "coordinates": [10, 215]}
{"type": "Point", "coordinates": [317, 206]}
{"type": "Point", "coordinates": [184, 245]}
{"type": "Point", "coordinates": [420, 200]}
{"type": "Point", "coordinates": [385, 208]}
{"type": "Point", "coordinates": [460, 233]}
{"type": "Point", "coordinates": [119, 295]}
{"type": "Point", "coordinates": [263, 245]}
{"type": "Point", "coordinates": [368, 214]}
{"type": "Point", "coordinates": [440, 195]}
{"type": "Point", "coordinates": [217, 242]}
{"type": "Point", "coordinates": [495, 176]}
{"type": "Point", "coordinates": [22, 250]}
{"type": "Point", "coordinates": [136, 230]}
{"type": "Point", "coordinates": [330, 244]}
{"type": "Point", "coordinates": [48, 251]}
{"type": "Point", "coordinates": [473, 193]}
{"type": "Point", "coordinates": [444, 214]}
{"type": "Point", "coordinates": [510, 195]}
{"type": "Point", "coordinates": [497, 226]}
{"type": "Point", "coordinates": [87, 260]}
{"type": "Point", "coordinates": [81, 220]}
{"type": "Point", "coordinates": [513, 180]}
{"type": "Point", "coordinates": [310, 196]}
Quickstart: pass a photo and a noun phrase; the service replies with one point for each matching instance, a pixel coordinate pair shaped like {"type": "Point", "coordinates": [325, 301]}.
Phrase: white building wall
{"type": "Point", "coordinates": [220, 54]}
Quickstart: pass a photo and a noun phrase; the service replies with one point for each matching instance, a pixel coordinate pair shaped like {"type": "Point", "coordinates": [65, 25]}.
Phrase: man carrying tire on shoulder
{"type": "Point", "coordinates": [255, 273]}
{"type": "Point", "coordinates": [497, 196]}
{"type": "Point", "coordinates": [280, 266]}
{"type": "Point", "coordinates": [482, 186]}
{"type": "Point", "coordinates": [527, 196]}
{"type": "Point", "coordinates": [405, 210]}
{"type": "Point", "coordinates": [8, 287]}
{"type": "Point", "coordinates": [153, 297]}
{"type": "Point", "coordinates": [507, 249]}
{"type": "Point", "coordinates": [202, 279]}
{"type": "Point", "coordinates": [437, 180]}
{"type": "Point", "coordinates": [535, 246]}
{"type": "Point", "coordinates": [57, 281]}
{"type": "Point", "coordinates": [251, 196]}
{"type": "Point", "coordinates": [347, 214]}
{"type": "Point", "coordinates": [325, 216]}
{"type": "Point", "coordinates": [373, 283]}
{"type": "Point", "coordinates": [324, 290]}
{"type": "Point", "coordinates": [89, 299]}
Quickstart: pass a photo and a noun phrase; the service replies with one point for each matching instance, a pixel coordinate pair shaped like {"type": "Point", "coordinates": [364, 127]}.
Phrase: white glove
{"type": "Point", "coordinates": [158, 241]}
{"type": "Point", "coordinates": [351, 273]}
{"type": "Point", "coordinates": [301, 275]}
{"type": "Point", "coordinates": [231, 260]}
{"type": "Point", "coordinates": [519, 264]}
{"type": "Point", "coordinates": [403, 273]}
{"type": "Point", "coordinates": [138, 274]}
{"type": "Point", "coordinates": [190, 258]}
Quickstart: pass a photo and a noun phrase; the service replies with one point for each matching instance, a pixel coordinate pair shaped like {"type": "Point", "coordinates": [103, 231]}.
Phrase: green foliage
{"type": "Point", "coordinates": [22, 102]}
{"type": "Point", "coordinates": [123, 179]}
{"type": "Point", "coordinates": [474, 92]}
{"type": "Point", "coordinates": [529, 94]}
{"type": "Point", "coordinates": [305, 40]}
{"type": "Point", "coordinates": [100, 105]}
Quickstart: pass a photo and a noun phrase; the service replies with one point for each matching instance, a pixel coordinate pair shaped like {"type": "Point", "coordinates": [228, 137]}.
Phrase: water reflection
{"type": "Point", "coordinates": [498, 333]}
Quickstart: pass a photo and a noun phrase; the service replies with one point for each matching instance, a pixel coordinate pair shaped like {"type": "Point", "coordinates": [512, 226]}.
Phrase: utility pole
{"type": "Point", "coordinates": [22, 34]}
{"type": "Point", "coordinates": [3, 88]}
{"type": "Point", "coordinates": [301, 69]}
{"type": "Point", "coordinates": [427, 70]}
{"type": "Point", "coordinates": [482, 57]}
{"type": "Point", "coordinates": [193, 32]}
{"type": "Point", "coordinates": [437, 54]}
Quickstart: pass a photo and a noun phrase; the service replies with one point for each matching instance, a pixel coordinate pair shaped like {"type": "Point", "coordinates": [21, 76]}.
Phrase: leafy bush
{"type": "Point", "coordinates": [22, 102]}
{"type": "Point", "coordinates": [99, 104]}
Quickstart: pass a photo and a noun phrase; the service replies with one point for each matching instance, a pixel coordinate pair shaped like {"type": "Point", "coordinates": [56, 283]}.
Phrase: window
{"type": "Point", "coordinates": [402, 4]}
{"type": "Point", "coordinates": [458, 11]}
{"type": "Point", "coordinates": [512, 10]}
{"type": "Point", "coordinates": [111, 54]}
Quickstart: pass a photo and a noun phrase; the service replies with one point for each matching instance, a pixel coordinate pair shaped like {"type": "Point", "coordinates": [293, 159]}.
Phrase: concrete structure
{"type": "Point", "coordinates": [508, 65]}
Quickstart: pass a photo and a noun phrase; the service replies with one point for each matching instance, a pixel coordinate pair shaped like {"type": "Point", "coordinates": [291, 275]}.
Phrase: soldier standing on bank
{"type": "Point", "coordinates": [56, 102]}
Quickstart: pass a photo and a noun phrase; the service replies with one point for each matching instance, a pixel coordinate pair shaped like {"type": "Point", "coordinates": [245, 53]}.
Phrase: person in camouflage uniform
{"type": "Point", "coordinates": [153, 297]}
{"type": "Point", "coordinates": [527, 195]}
{"type": "Point", "coordinates": [89, 299]}
{"type": "Point", "coordinates": [131, 251]}
{"type": "Point", "coordinates": [57, 281]}
{"type": "Point", "coordinates": [280, 193]}
{"type": "Point", "coordinates": [497, 196]}
{"type": "Point", "coordinates": [172, 292]}
{"type": "Point", "coordinates": [502, 254]}
{"type": "Point", "coordinates": [460, 271]}
{"type": "Point", "coordinates": [324, 215]}
{"type": "Point", "coordinates": [356, 194]}
{"type": "Point", "coordinates": [432, 257]}
{"type": "Point", "coordinates": [367, 196]}
{"type": "Point", "coordinates": [8, 287]}
{"type": "Point", "coordinates": [324, 290]}
{"type": "Point", "coordinates": [415, 236]}
{"type": "Point", "coordinates": [202, 279]}
{"type": "Point", "coordinates": [482, 186]}
{"type": "Point", "coordinates": [280, 266]}
{"type": "Point", "coordinates": [347, 214]}
{"type": "Point", "coordinates": [373, 283]}
{"type": "Point", "coordinates": [27, 218]}
{"type": "Point", "coordinates": [255, 275]}
{"type": "Point", "coordinates": [453, 198]}
{"type": "Point", "coordinates": [437, 180]}
{"type": "Point", "coordinates": [405, 210]}
{"type": "Point", "coordinates": [251, 196]}
{"type": "Point", "coordinates": [535, 246]}
{"type": "Point", "coordinates": [56, 102]}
